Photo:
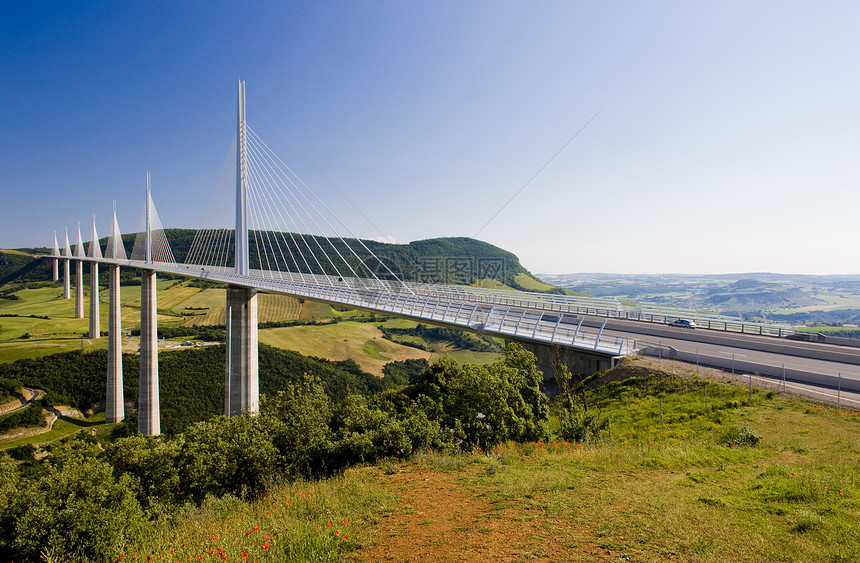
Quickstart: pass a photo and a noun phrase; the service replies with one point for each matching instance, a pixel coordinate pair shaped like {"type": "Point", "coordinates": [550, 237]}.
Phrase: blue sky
{"type": "Point", "coordinates": [726, 136]}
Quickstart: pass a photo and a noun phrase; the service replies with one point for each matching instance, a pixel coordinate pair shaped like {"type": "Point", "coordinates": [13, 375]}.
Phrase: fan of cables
{"type": "Point", "coordinates": [292, 234]}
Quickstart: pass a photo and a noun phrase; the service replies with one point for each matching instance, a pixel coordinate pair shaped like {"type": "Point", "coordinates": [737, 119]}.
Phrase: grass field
{"type": "Point", "coordinates": [826, 329]}
{"type": "Point", "coordinates": [676, 491]}
{"type": "Point", "coordinates": [61, 332]}
{"type": "Point", "coordinates": [362, 342]}
{"type": "Point", "coordinates": [489, 283]}
{"type": "Point", "coordinates": [64, 426]}
{"type": "Point", "coordinates": [531, 284]}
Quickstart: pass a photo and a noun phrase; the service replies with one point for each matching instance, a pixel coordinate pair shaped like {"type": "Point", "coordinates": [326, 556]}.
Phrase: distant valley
{"type": "Point", "coordinates": [793, 298]}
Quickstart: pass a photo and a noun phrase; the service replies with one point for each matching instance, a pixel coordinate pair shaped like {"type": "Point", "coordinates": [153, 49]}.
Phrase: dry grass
{"type": "Point", "coordinates": [362, 342]}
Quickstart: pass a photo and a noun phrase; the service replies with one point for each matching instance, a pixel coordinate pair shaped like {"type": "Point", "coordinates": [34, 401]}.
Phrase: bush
{"type": "Point", "coordinates": [584, 427]}
{"type": "Point", "coordinates": [28, 417]}
{"type": "Point", "coordinates": [740, 437]}
{"type": "Point", "coordinates": [77, 509]}
{"type": "Point", "coordinates": [22, 453]}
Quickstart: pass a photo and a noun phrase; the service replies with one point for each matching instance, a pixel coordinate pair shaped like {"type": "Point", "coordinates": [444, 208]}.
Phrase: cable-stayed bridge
{"type": "Point", "coordinates": [264, 230]}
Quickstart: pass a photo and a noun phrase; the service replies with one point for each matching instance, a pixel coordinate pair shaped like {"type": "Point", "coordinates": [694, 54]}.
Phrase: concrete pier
{"type": "Point", "coordinates": [241, 383]}
{"type": "Point", "coordinates": [95, 329]}
{"type": "Point", "coordinates": [579, 362]}
{"type": "Point", "coordinates": [67, 283]}
{"type": "Point", "coordinates": [55, 262]}
{"type": "Point", "coordinates": [114, 402]}
{"type": "Point", "coordinates": [79, 289]}
{"type": "Point", "coordinates": [149, 416]}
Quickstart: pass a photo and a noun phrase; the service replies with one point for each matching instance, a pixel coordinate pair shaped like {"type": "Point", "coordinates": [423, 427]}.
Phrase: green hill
{"type": "Point", "coordinates": [450, 260]}
{"type": "Point", "coordinates": [21, 266]}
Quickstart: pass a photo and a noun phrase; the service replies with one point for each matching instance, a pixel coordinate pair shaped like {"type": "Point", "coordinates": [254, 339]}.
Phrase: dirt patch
{"type": "Point", "coordinates": [17, 403]}
{"type": "Point", "coordinates": [439, 519]}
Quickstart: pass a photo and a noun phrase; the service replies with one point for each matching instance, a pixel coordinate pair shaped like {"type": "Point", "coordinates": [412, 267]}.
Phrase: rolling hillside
{"type": "Point", "coordinates": [452, 260]}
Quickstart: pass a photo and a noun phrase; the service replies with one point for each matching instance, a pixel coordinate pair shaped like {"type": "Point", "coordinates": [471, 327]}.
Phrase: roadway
{"type": "Point", "coordinates": [527, 318]}
{"type": "Point", "coordinates": [796, 362]}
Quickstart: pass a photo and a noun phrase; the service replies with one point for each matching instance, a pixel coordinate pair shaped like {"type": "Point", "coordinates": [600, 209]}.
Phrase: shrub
{"type": "Point", "coordinates": [740, 437]}
{"type": "Point", "coordinates": [22, 453]}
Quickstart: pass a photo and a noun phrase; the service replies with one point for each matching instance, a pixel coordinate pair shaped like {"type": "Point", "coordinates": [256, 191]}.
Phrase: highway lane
{"type": "Point", "coordinates": [809, 363]}
{"type": "Point", "coordinates": [781, 346]}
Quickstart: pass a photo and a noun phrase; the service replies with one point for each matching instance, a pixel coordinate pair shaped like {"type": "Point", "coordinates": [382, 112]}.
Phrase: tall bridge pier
{"type": "Point", "coordinates": [67, 284]}
{"type": "Point", "coordinates": [115, 400]}
{"type": "Point", "coordinates": [67, 253]}
{"type": "Point", "coordinates": [148, 413]}
{"type": "Point", "coordinates": [241, 384]}
{"type": "Point", "coordinates": [79, 289]}
{"type": "Point", "coordinates": [79, 277]}
{"type": "Point", "coordinates": [95, 330]}
{"type": "Point", "coordinates": [55, 261]}
{"type": "Point", "coordinates": [95, 252]}
{"type": "Point", "coordinates": [242, 374]}
{"type": "Point", "coordinates": [583, 362]}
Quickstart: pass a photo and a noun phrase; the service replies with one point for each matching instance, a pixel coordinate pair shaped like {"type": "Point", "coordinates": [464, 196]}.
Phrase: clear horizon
{"type": "Point", "coordinates": [614, 137]}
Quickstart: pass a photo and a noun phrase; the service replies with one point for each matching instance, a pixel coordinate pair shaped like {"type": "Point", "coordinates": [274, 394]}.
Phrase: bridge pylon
{"type": "Point", "coordinates": [241, 380]}
{"type": "Point", "coordinates": [67, 253]}
{"type": "Point", "coordinates": [94, 252]}
{"type": "Point", "coordinates": [55, 261]}
{"type": "Point", "coordinates": [79, 277]}
{"type": "Point", "coordinates": [115, 400]}
{"type": "Point", "coordinates": [149, 414]}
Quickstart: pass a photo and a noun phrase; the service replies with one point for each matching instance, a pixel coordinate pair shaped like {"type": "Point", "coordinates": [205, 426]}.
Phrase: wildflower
{"type": "Point", "coordinates": [345, 536]}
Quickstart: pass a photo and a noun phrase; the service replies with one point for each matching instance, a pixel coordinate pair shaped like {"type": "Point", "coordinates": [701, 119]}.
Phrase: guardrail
{"type": "Point", "coordinates": [520, 322]}
{"type": "Point", "coordinates": [338, 289]}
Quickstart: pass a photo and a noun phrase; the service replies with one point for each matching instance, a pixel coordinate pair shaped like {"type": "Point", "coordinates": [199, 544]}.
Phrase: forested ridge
{"type": "Point", "coordinates": [191, 382]}
{"type": "Point", "coordinates": [81, 504]}
{"type": "Point", "coordinates": [455, 260]}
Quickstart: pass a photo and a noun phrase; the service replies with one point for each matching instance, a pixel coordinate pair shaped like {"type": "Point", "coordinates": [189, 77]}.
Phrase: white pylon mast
{"type": "Point", "coordinates": [242, 264]}
{"type": "Point", "coordinates": [148, 223]}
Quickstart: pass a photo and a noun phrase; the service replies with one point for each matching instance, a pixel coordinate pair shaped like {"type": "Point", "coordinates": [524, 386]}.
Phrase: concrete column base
{"type": "Point", "coordinates": [241, 382]}
{"type": "Point", "coordinates": [95, 329]}
{"type": "Point", "coordinates": [67, 282]}
{"type": "Point", "coordinates": [114, 401]}
{"type": "Point", "coordinates": [79, 289]}
{"type": "Point", "coordinates": [581, 362]}
{"type": "Point", "coordinates": [148, 413]}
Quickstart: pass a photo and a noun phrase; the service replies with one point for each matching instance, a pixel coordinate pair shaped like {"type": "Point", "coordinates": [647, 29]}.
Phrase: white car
{"type": "Point", "coordinates": [683, 323]}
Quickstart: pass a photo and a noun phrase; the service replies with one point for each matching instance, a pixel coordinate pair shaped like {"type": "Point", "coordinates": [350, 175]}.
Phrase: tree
{"type": "Point", "coordinates": [152, 462]}
{"type": "Point", "coordinates": [227, 455]}
{"type": "Point", "coordinates": [485, 405]}
{"type": "Point", "coordinates": [300, 416]}
{"type": "Point", "coordinates": [78, 509]}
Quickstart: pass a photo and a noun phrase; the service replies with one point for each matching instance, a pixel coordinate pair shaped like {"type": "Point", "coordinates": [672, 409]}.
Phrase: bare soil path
{"type": "Point", "coordinates": [439, 519]}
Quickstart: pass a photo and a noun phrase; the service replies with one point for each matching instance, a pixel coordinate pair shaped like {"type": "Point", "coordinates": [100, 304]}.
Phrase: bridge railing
{"type": "Point", "coordinates": [340, 289]}
{"type": "Point", "coordinates": [517, 322]}
{"type": "Point", "coordinates": [435, 302]}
